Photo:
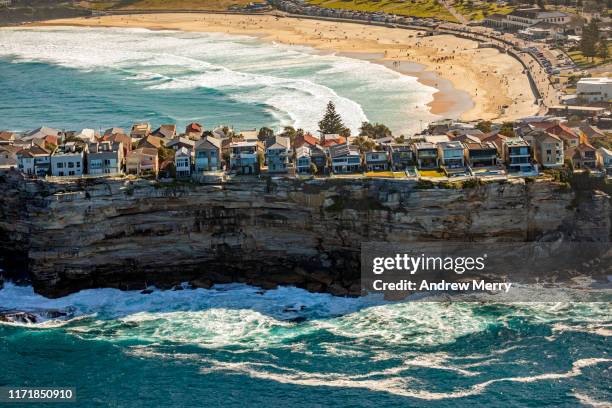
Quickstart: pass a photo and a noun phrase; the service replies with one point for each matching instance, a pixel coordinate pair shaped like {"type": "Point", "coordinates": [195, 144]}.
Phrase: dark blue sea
{"type": "Point", "coordinates": [236, 346]}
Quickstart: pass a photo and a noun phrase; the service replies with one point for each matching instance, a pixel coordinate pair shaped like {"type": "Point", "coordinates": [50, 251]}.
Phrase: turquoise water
{"type": "Point", "coordinates": [236, 345]}
{"type": "Point", "coordinates": [74, 78]}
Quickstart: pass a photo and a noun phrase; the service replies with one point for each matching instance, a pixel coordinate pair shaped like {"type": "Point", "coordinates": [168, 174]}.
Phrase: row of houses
{"type": "Point", "coordinates": [545, 142]}
{"type": "Point", "coordinates": [449, 147]}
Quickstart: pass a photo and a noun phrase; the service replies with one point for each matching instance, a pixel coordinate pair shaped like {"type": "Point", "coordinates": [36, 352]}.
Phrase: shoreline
{"type": "Point", "coordinates": [494, 89]}
{"type": "Point", "coordinates": [448, 102]}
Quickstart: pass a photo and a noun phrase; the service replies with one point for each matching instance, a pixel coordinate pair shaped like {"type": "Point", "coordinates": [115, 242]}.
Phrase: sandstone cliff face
{"type": "Point", "coordinates": [127, 234]}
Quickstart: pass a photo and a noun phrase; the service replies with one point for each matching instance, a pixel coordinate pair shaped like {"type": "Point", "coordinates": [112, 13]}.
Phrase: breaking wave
{"type": "Point", "coordinates": [422, 351]}
{"type": "Point", "coordinates": [293, 84]}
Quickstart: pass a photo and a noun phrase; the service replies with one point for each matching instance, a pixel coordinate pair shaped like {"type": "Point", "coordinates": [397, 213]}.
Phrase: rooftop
{"type": "Point", "coordinates": [343, 150]}
{"type": "Point", "coordinates": [451, 145]}
{"type": "Point", "coordinates": [595, 81]}
{"type": "Point", "coordinates": [516, 142]}
{"type": "Point", "coordinates": [424, 145]}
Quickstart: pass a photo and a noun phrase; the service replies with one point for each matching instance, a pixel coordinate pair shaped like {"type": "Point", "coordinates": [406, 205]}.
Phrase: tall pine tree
{"type": "Point", "coordinates": [589, 40]}
{"type": "Point", "coordinates": [332, 122]}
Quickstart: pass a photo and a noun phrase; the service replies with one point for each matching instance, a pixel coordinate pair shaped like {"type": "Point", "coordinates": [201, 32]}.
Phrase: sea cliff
{"type": "Point", "coordinates": [128, 234]}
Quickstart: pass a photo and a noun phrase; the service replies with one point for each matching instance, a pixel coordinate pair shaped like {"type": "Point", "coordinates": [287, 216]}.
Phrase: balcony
{"type": "Point", "coordinates": [426, 154]}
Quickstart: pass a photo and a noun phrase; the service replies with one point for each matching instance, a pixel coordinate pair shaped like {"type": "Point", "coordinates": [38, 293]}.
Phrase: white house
{"type": "Point", "coordinates": [67, 160]}
{"type": "Point", "coordinates": [594, 89]}
{"type": "Point", "coordinates": [34, 161]}
{"type": "Point", "coordinates": [182, 162]}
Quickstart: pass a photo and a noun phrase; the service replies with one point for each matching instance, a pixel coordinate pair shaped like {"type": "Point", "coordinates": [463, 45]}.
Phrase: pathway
{"type": "Point", "coordinates": [454, 12]}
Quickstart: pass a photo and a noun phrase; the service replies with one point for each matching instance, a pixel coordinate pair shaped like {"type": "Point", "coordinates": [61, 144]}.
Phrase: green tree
{"type": "Point", "coordinates": [602, 49]}
{"type": "Point", "coordinates": [313, 169]}
{"type": "Point", "coordinates": [226, 130]}
{"type": "Point", "coordinates": [589, 40]}
{"type": "Point", "coordinates": [332, 122]}
{"type": "Point", "coordinates": [364, 144]}
{"type": "Point", "coordinates": [164, 154]}
{"type": "Point", "coordinates": [507, 129]}
{"type": "Point", "coordinates": [261, 159]}
{"type": "Point", "coordinates": [541, 4]}
{"type": "Point", "coordinates": [375, 131]}
{"type": "Point", "coordinates": [290, 132]}
{"type": "Point", "coordinates": [265, 133]}
{"type": "Point", "coordinates": [484, 126]}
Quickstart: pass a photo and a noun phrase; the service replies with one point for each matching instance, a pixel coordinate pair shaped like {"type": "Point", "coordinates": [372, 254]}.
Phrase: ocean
{"type": "Point", "coordinates": [74, 78]}
{"type": "Point", "coordinates": [235, 345]}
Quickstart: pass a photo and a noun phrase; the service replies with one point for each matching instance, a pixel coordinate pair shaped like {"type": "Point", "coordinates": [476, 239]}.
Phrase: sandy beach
{"type": "Point", "coordinates": [473, 83]}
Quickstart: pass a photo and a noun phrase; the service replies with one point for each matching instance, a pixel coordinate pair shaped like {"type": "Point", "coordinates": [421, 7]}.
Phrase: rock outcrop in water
{"type": "Point", "coordinates": [130, 234]}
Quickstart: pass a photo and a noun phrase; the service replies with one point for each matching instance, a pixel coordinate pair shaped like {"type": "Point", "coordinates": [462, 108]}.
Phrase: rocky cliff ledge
{"type": "Point", "coordinates": [129, 234]}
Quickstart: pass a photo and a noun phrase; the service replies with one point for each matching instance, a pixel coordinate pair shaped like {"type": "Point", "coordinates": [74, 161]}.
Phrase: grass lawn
{"type": "Point", "coordinates": [389, 174]}
{"type": "Point", "coordinates": [412, 8]}
{"type": "Point", "coordinates": [584, 63]}
{"type": "Point", "coordinates": [431, 173]}
{"type": "Point", "coordinates": [477, 10]}
{"type": "Point", "coordinates": [182, 4]}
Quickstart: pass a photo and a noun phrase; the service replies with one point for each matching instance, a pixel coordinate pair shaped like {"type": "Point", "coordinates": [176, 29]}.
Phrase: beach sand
{"type": "Point", "coordinates": [473, 83]}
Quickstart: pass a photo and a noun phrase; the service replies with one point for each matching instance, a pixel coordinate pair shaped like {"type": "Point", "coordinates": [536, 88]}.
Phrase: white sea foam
{"type": "Point", "coordinates": [294, 82]}
{"type": "Point", "coordinates": [393, 383]}
{"type": "Point", "coordinates": [587, 400]}
{"type": "Point", "coordinates": [604, 330]}
{"type": "Point", "coordinates": [242, 319]}
{"type": "Point", "coordinates": [237, 314]}
{"type": "Point", "coordinates": [281, 303]}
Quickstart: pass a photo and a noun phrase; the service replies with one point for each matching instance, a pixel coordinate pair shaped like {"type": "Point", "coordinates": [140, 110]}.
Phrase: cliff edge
{"type": "Point", "coordinates": [128, 234]}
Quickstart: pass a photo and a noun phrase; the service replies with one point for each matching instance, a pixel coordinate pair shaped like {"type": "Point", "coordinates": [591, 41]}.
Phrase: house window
{"type": "Point", "coordinates": [60, 165]}
{"type": "Point", "coordinates": [71, 173]}
{"type": "Point", "coordinates": [70, 165]}
{"type": "Point", "coordinates": [107, 162]}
